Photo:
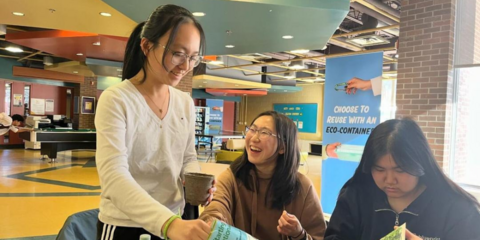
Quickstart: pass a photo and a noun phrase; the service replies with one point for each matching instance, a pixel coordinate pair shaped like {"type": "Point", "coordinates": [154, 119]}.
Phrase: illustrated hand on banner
{"type": "Point", "coordinates": [355, 83]}
{"type": "Point", "coordinates": [330, 149]}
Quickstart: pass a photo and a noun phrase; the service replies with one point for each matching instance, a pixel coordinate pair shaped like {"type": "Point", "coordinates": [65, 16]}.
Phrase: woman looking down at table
{"type": "Point", "coordinates": [146, 130]}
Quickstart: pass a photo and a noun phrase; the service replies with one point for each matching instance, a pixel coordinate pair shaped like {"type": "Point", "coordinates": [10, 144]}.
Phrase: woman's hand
{"type": "Point", "coordinates": [410, 236]}
{"type": "Point", "coordinates": [289, 225]}
{"type": "Point", "coordinates": [211, 191]}
{"type": "Point", "coordinates": [188, 229]}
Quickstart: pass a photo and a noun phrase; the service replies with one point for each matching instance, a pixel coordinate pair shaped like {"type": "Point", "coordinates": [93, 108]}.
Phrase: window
{"type": "Point", "coordinates": [8, 97]}
{"type": "Point", "coordinates": [465, 163]}
{"type": "Point", "coordinates": [388, 103]}
{"type": "Point", "coordinates": [26, 95]}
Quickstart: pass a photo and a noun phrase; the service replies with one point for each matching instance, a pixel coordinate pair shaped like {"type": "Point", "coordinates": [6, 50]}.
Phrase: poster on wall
{"type": "Point", "coordinates": [17, 100]}
{"type": "Point", "coordinates": [37, 106]}
{"type": "Point", "coordinates": [304, 115]}
{"type": "Point", "coordinates": [88, 105]}
{"type": "Point", "coordinates": [215, 122]}
{"type": "Point", "coordinates": [49, 105]}
{"type": "Point", "coordinates": [350, 115]}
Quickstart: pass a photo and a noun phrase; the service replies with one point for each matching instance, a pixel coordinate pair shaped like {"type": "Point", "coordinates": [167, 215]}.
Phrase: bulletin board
{"type": "Point", "coordinates": [304, 115]}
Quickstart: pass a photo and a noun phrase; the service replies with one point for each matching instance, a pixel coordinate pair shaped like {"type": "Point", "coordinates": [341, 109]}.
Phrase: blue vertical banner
{"type": "Point", "coordinates": [348, 119]}
{"type": "Point", "coordinates": [215, 120]}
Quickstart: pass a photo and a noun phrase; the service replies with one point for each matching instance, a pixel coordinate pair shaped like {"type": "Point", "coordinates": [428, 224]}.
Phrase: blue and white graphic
{"type": "Point", "coordinates": [348, 118]}
{"type": "Point", "coordinates": [215, 121]}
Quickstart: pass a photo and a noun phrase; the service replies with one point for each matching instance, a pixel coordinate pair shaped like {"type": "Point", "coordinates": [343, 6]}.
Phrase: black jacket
{"type": "Point", "coordinates": [364, 213]}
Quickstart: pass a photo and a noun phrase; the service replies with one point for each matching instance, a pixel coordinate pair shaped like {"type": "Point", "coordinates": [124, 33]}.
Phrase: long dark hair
{"type": "Point", "coordinates": [284, 184]}
{"type": "Point", "coordinates": [405, 142]}
{"type": "Point", "coordinates": [163, 19]}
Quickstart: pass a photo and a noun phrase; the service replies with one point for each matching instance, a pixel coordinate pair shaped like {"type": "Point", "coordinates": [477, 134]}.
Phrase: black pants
{"type": "Point", "coordinates": [105, 231]}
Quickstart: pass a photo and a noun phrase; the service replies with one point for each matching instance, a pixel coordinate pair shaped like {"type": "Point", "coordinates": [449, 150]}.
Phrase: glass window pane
{"type": "Point", "coordinates": [467, 33]}
{"type": "Point", "coordinates": [8, 96]}
{"type": "Point", "coordinates": [466, 130]}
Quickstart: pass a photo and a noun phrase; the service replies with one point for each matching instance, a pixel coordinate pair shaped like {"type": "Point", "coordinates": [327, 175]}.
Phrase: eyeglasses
{"type": "Point", "coordinates": [262, 133]}
{"type": "Point", "coordinates": [178, 58]}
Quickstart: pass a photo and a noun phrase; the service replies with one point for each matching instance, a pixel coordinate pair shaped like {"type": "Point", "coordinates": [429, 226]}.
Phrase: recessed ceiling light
{"type": "Point", "coordinates": [96, 43]}
{"type": "Point", "coordinates": [14, 49]}
{"type": "Point", "coordinates": [105, 14]}
{"type": "Point", "coordinates": [79, 54]}
{"type": "Point", "coordinates": [75, 72]}
{"type": "Point", "coordinates": [300, 51]}
{"type": "Point", "coordinates": [287, 37]}
{"type": "Point", "coordinates": [18, 14]}
{"type": "Point", "coordinates": [198, 14]}
{"type": "Point", "coordinates": [229, 46]}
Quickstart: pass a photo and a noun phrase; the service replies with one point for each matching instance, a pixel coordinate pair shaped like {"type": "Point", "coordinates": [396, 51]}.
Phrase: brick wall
{"type": "Point", "coordinates": [88, 89]}
{"type": "Point", "coordinates": [425, 69]}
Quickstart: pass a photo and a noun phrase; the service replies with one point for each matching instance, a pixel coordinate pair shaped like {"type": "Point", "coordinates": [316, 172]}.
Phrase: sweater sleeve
{"type": "Point", "coordinates": [312, 216]}
{"type": "Point", "coordinates": [190, 163]}
{"type": "Point", "coordinates": [221, 206]}
{"type": "Point", "coordinates": [377, 85]}
{"type": "Point", "coordinates": [342, 222]}
{"type": "Point", "coordinates": [118, 185]}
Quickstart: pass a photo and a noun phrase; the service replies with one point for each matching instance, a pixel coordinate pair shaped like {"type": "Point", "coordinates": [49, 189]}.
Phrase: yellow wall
{"type": "Point", "coordinates": [311, 93]}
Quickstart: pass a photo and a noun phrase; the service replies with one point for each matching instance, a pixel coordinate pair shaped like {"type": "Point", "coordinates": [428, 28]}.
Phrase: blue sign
{"type": "Point", "coordinates": [348, 118]}
{"type": "Point", "coordinates": [303, 114]}
{"type": "Point", "coordinates": [215, 119]}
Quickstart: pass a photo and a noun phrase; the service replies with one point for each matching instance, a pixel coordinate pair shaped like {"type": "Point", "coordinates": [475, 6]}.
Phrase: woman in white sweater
{"type": "Point", "coordinates": [146, 130]}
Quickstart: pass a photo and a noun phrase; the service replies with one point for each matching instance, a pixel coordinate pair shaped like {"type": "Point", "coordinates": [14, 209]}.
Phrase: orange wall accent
{"type": "Point", "coordinates": [45, 74]}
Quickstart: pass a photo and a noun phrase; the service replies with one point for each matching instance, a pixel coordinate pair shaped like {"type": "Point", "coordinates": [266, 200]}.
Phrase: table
{"type": "Point", "coordinates": [57, 140]}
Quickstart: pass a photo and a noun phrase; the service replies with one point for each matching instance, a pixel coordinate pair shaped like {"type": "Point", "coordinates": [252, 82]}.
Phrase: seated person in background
{"type": "Point", "coordinates": [399, 181]}
{"type": "Point", "coordinates": [11, 123]}
{"type": "Point", "coordinates": [262, 193]}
